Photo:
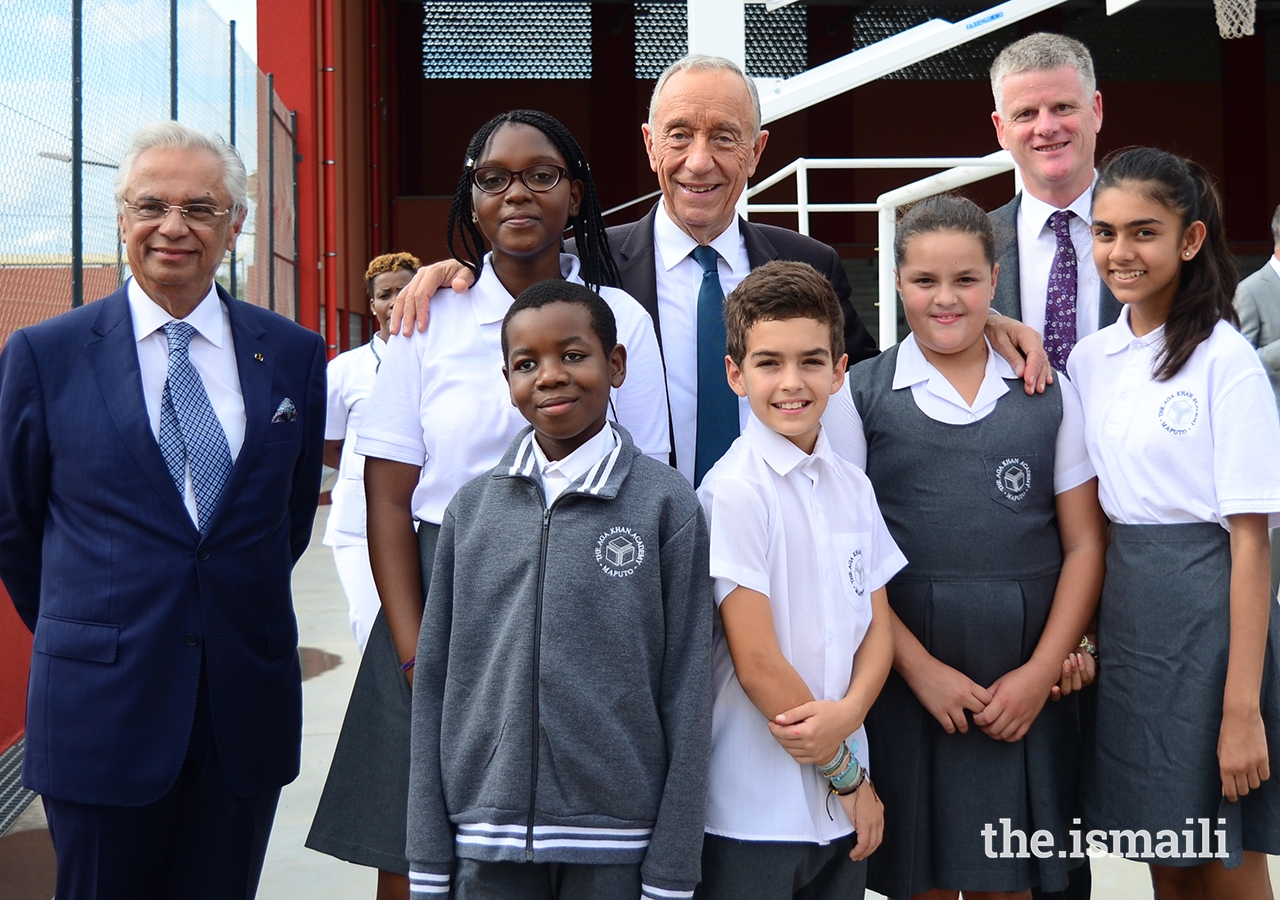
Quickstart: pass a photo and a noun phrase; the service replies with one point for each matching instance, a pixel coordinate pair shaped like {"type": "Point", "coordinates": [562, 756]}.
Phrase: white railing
{"type": "Point", "coordinates": [958, 171]}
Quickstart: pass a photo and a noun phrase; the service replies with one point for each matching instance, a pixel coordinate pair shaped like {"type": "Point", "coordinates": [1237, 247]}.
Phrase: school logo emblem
{"type": "Point", "coordinates": [1013, 478]}
{"type": "Point", "coordinates": [1179, 412]}
{"type": "Point", "coordinates": [619, 552]}
{"type": "Point", "coordinates": [857, 573]}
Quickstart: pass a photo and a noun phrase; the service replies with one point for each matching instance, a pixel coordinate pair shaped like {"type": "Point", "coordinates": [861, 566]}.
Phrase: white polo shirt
{"type": "Point", "coordinates": [350, 376]}
{"type": "Point", "coordinates": [1196, 448]}
{"type": "Point", "coordinates": [805, 531]}
{"type": "Point", "coordinates": [1038, 244]}
{"type": "Point", "coordinates": [935, 396]}
{"type": "Point", "coordinates": [440, 401]}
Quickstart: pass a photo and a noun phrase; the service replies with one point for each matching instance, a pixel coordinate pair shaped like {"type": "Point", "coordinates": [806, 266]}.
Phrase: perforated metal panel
{"type": "Point", "coordinates": [506, 40]}
{"type": "Point", "coordinates": [777, 42]}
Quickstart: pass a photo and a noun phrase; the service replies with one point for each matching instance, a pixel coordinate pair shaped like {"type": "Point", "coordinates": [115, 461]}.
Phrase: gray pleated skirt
{"type": "Point", "coordinates": [1163, 639]}
{"type": "Point", "coordinates": [362, 811]}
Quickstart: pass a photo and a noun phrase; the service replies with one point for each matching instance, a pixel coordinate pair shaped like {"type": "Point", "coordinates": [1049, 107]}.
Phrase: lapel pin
{"type": "Point", "coordinates": [258, 357]}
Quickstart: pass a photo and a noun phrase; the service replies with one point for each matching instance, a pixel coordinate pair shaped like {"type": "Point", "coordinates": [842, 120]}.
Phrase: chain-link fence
{"type": "Point", "coordinates": [76, 79]}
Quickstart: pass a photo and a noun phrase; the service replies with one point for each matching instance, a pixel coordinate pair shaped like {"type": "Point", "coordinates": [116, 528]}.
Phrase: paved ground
{"type": "Point", "coordinates": [292, 870]}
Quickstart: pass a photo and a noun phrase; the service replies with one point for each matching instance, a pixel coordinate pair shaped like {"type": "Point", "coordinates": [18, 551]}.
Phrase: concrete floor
{"type": "Point", "coordinates": [291, 869]}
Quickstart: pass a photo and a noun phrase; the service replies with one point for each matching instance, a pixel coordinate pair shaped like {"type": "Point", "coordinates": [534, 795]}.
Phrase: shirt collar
{"type": "Point", "coordinates": [576, 464]}
{"type": "Point", "coordinates": [913, 367]}
{"type": "Point", "coordinates": [1121, 337]}
{"type": "Point", "coordinates": [674, 245]}
{"type": "Point", "coordinates": [782, 455]}
{"type": "Point", "coordinates": [149, 317]}
{"type": "Point", "coordinates": [490, 299]}
{"type": "Point", "coordinates": [1037, 212]}
{"type": "Point", "coordinates": [1275, 264]}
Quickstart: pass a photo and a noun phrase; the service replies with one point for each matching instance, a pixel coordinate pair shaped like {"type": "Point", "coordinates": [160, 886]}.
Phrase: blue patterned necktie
{"type": "Point", "coordinates": [1060, 305]}
{"type": "Point", "coordinates": [190, 433]}
{"type": "Point", "coordinates": [717, 403]}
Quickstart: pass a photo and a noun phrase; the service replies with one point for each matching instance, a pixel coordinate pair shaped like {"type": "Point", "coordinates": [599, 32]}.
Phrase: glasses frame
{"type": "Point", "coordinates": [511, 176]}
{"type": "Point", "coordinates": [182, 211]}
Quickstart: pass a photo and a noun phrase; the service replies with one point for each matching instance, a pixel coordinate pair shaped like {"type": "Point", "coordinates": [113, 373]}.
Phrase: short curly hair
{"type": "Point", "coordinates": [390, 262]}
{"type": "Point", "coordinates": [782, 290]}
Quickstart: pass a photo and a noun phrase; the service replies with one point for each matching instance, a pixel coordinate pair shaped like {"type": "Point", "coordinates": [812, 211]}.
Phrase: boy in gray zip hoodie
{"type": "Point", "coordinates": [562, 705]}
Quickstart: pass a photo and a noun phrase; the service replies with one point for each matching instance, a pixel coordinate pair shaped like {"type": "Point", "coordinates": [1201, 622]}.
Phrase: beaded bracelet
{"type": "Point", "coordinates": [849, 780]}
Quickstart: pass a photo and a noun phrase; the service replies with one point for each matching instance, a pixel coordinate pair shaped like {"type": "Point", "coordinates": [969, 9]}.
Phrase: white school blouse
{"type": "Point", "coordinates": [1196, 448]}
{"type": "Point", "coordinates": [805, 531]}
{"type": "Point", "coordinates": [935, 396]}
{"type": "Point", "coordinates": [350, 376]}
{"type": "Point", "coordinates": [440, 401]}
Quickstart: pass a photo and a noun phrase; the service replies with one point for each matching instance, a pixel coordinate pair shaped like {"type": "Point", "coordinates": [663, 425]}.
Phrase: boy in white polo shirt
{"type": "Point", "coordinates": [800, 557]}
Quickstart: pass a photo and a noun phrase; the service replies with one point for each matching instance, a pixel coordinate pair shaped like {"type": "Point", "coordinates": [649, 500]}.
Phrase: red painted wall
{"type": "Point", "coordinates": [15, 662]}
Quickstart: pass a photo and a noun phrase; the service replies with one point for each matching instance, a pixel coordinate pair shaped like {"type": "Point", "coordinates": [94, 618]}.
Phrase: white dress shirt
{"type": "Point", "coordinates": [805, 531]}
{"type": "Point", "coordinates": [935, 396]}
{"type": "Point", "coordinates": [1037, 245]}
{"type": "Point", "coordinates": [351, 376]}
{"type": "Point", "coordinates": [1275, 264]}
{"type": "Point", "coordinates": [212, 354]}
{"type": "Point", "coordinates": [679, 278]}
{"type": "Point", "coordinates": [440, 401]}
{"type": "Point", "coordinates": [1196, 448]}
{"type": "Point", "coordinates": [558, 474]}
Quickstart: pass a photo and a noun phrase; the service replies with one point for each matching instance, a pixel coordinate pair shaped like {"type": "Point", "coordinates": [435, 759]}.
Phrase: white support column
{"type": "Point", "coordinates": [718, 28]}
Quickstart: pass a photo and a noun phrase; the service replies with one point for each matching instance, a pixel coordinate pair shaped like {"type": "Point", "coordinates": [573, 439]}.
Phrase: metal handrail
{"type": "Point", "coordinates": [958, 171]}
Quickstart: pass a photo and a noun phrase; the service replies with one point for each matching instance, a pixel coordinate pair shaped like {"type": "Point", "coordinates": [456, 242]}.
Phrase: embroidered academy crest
{"type": "Point", "coordinates": [1013, 478]}
{"type": "Point", "coordinates": [619, 552]}
{"type": "Point", "coordinates": [857, 573]}
{"type": "Point", "coordinates": [1179, 412]}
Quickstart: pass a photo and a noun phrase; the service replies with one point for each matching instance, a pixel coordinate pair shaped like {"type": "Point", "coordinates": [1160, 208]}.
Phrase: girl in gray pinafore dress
{"type": "Point", "coordinates": [1181, 426]}
{"type": "Point", "coordinates": [975, 480]}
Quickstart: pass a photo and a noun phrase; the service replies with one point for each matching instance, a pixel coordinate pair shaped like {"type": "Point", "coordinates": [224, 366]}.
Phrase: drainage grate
{"type": "Point", "coordinates": [14, 798]}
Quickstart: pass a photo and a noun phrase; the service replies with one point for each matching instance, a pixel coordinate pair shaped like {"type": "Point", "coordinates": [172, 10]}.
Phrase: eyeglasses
{"type": "Point", "coordinates": [540, 179]}
{"type": "Point", "coordinates": [199, 215]}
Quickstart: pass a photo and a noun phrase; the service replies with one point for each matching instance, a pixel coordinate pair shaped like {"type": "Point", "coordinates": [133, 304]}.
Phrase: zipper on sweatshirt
{"type": "Point", "coordinates": [537, 663]}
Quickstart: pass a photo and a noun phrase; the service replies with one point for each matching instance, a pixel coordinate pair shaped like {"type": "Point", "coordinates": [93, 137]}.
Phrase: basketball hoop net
{"type": "Point", "coordinates": [1235, 17]}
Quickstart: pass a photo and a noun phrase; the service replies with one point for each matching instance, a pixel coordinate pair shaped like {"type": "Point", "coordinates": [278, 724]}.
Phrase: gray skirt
{"type": "Point", "coordinates": [362, 811]}
{"type": "Point", "coordinates": [1163, 639]}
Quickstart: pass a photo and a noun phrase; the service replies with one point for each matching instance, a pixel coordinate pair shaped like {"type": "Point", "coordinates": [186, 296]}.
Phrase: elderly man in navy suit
{"type": "Point", "coordinates": [160, 456]}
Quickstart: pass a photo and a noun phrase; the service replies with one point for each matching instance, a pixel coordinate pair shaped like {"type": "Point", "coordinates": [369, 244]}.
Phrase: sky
{"type": "Point", "coordinates": [245, 13]}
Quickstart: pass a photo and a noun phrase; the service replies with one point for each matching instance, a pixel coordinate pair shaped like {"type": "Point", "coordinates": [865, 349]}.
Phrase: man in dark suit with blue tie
{"type": "Point", "coordinates": [160, 455]}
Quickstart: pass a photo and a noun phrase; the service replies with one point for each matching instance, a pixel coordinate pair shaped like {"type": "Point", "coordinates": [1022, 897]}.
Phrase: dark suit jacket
{"type": "Point", "coordinates": [632, 249]}
{"type": "Point", "coordinates": [105, 565]}
{"type": "Point", "coordinates": [1008, 298]}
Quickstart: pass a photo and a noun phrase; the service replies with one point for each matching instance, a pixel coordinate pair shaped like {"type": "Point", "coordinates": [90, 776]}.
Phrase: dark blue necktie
{"type": "Point", "coordinates": [717, 403]}
{"type": "Point", "coordinates": [190, 433]}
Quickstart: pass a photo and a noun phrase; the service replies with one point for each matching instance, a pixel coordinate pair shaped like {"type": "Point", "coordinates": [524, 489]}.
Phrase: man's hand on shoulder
{"type": "Point", "coordinates": [1023, 347]}
{"type": "Point", "coordinates": [413, 304]}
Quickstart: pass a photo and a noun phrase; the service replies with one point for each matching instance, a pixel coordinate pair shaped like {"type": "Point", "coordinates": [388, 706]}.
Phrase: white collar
{"type": "Point", "coordinates": [1120, 336]}
{"type": "Point", "coordinates": [674, 245]}
{"type": "Point", "coordinates": [913, 368]}
{"type": "Point", "coordinates": [1037, 212]}
{"type": "Point", "coordinates": [489, 297]}
{"type": "Point", "coordinates": [782, 455]}
{"type": "Point", "coordinates": [577, 463]}
{"type": "Point", "coordinates": [1275, 264]}
{"type": "Point", "coordinates": [149, 316]}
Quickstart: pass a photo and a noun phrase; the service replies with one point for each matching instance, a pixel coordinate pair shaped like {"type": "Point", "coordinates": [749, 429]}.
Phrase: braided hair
{"type": "Point", "coordinates": [598, 268]}
{"type": "Point", "coordinates": [1207, 281]}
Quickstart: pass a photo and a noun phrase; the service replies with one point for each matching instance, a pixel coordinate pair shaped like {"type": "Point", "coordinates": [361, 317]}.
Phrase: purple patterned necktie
{"type": "Point", "coordinates": [1060, 306]}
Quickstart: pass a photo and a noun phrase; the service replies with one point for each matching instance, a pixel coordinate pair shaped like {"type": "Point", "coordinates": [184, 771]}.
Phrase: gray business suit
{"type": "Point", "coordinates": [1008, 298]}
{"type": "Point", "coordinates": [1258, 303]}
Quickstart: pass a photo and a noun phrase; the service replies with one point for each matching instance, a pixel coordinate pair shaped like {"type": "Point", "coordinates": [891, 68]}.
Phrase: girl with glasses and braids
{"type": "Point", "coordinates": [1181, 427]}
{"type": "Point", "coordinates": [441, 415]}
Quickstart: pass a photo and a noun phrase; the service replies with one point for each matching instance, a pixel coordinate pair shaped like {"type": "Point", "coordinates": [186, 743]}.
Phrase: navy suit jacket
{"type": "Point", "coordinates": [1008, 297]}
{"type": "Point", "coordinates": [633, 252]}
{"type": "Point", "coordinates": [105, 565]}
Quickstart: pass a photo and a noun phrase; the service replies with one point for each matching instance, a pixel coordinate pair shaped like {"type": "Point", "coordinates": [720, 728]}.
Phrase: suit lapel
{"type": "Point", "coordinates": [255, 362]}
{"type": "Point", "coordinates": [1007, 300]}
{"type": "Point", "coordinates": [638, 269]}
{"type": "Point", "coordinates": [759, 249]}
{"type": "Point", "coordinates": [113, 354]}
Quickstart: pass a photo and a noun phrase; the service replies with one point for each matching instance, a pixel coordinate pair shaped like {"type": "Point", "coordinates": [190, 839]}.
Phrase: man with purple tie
{"type": "Point", "coordinates": [1048, 113]}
